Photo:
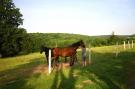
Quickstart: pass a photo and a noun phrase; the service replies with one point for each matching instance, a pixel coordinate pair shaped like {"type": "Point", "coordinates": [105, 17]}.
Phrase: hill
{"type": "Point", "coordinates": [63, 39]}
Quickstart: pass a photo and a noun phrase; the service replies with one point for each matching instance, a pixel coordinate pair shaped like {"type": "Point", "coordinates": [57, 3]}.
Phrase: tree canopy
{"type": "Point", "coordinates": [11, 36]}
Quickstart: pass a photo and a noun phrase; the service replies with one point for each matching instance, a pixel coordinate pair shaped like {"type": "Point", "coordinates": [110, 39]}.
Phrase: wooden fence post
{"type": "Point", "coordinates": [132, 44]}
{"type": "Point", "coordinates": [128, 44]}
{"type": "Point", "coordinates": [124, 46]}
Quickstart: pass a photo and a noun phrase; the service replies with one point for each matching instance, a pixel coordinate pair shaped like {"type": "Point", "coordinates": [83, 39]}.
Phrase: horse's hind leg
{"type": "Point", "coordinates": [56, 61]}
{"type": "Point", "coordinates": [52, 62]}
{"type": "Point", "coordinates": [72, 61]}
{"type": "Point", "coordinates": [75, 57]}
{"type": "Point", "coordinates": [65, 60]}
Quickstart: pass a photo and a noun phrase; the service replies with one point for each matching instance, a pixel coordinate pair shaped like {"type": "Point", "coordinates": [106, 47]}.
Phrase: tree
{"type": "Point", "coordinates": [11, 37]}
{"type": "Point", "coordinates": [9, 14]}
{"type": "Point", "coordinates": [112, 39]}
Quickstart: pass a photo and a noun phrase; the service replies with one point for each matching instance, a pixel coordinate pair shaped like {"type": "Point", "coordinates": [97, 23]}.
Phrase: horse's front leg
{"type": "Point", "coordinates": [47, 59]}
{"type": "Point", "coordinates": [74, 59]}
{"type": "Point", "coordinates": [52, 62]}
{"type": "Point", "coordinates": [56, 60]}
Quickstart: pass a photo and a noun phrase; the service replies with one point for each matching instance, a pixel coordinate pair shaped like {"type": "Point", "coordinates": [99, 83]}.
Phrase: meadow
{"type": "Point", "coordinates": [106, 71]}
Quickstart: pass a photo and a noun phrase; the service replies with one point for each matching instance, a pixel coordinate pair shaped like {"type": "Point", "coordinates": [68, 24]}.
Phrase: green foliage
{"type": "Point", "coordinates": [113, 39]}
{"type": "Point", "coordinates": [12, 39]}
{"type": "Point", "coordinates": [9, 14]}
{"type": "Point", "coordinates": [99, 41]}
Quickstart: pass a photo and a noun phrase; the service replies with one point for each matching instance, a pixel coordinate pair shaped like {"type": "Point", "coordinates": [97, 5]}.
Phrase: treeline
{"type": "Point", "coordinates": [64, 39]}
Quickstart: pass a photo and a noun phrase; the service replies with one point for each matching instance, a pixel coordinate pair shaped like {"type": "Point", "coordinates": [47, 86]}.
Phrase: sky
{"type": "Point", "coordinates": [86, 17]}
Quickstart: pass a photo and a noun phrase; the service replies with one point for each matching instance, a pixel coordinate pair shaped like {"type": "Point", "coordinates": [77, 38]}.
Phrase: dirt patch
{"type": "Point", "coordinates": [44, 68]}
{"type": "Point", "coordinates": [75, 75]}
{"type": "Point", "coordinates": [40, 69]}
{"type": "Point", "coordinates": [133, 62]}
{"type": "Point", "coordinates": [79, 86]}
{"type": "Point", "coordinates": [87, 81]}
{"type": "Point", "coordinates": [63, 65]}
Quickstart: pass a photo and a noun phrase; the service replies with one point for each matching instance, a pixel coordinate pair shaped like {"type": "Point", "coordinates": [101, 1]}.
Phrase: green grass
{"type": "Point", "coordinates": [105, 72]}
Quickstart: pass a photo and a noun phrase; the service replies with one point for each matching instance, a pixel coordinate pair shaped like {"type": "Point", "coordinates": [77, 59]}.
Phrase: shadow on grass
{"type": "Point", "coordinates": [16, 78]}
{"type": "Point", "coordinates": [111, 72]}
{"type": "Point", "coordinates": [105, 72]}
{"type": "Point", "coordinates": [67, 82]}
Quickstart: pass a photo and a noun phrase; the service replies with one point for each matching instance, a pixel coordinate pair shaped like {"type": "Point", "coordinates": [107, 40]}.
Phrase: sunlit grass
{"type": "Point", "coordinates": [106, 71]}
{"type": "Point", "coordinates": [11, 62]}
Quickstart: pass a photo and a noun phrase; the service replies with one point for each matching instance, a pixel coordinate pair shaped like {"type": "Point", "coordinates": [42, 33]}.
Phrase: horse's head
{"type": "Point", "coordinates": [44, 49]}
{"type": "Point", "coordinates": [77, 44]}
{"type": "Point", "coordinates": [41, 49]}
{"type": "Point", "coordinates": [81, 43]}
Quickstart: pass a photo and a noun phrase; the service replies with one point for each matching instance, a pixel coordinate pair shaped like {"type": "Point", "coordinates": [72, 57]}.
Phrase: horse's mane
{"type": "Point", "coordinates": [75, 44]}
{"type": "Point", "coordinates": [46, 49]}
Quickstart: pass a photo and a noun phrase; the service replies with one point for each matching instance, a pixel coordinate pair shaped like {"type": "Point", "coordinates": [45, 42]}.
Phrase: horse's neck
{"type": "Point", "coordinates": [76, 47]}
{"type": "Point", "coordinates": [74, 44]}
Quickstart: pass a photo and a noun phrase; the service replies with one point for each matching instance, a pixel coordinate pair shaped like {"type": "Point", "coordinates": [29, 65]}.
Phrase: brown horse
{"type": "Point", "coordinates": [46, 50]}
{"type": "Point", "coordinates": [69, 51]}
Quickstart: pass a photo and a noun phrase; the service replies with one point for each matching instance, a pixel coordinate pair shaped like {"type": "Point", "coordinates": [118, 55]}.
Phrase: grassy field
{"type": "Point", "coordinates": [106, 71]}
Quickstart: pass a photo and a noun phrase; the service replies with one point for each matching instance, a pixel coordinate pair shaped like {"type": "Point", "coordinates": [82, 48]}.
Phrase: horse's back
{"type": "Point", "coordinates": [66, 51]}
